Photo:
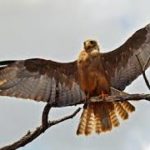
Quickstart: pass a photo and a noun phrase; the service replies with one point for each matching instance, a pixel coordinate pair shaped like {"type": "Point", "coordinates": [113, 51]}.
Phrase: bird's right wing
{"type": "Point", "coordinates": [41, 80]}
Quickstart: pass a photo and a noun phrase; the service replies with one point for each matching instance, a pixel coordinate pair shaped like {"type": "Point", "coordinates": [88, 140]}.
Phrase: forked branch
{"type": "Point", "coordinates": [32, 135]}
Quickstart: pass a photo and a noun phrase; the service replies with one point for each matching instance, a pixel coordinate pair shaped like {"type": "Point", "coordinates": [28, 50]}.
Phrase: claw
{"type": "Point", "coordinates": [87, 101]}
{"type": "Point", "coordinates": [103, 95]}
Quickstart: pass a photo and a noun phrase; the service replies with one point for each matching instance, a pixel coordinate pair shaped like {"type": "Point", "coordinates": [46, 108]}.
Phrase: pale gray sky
{"type": "Point", "coordinates": [55, 29]}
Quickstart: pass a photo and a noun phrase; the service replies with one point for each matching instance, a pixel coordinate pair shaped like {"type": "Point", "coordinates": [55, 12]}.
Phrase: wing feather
{"type": "Point", "coordinates": [122, 64]}
{"type": "Point", "coordinates": [41, 80]}
{"type": "Point", "coordinates": [57, 83]}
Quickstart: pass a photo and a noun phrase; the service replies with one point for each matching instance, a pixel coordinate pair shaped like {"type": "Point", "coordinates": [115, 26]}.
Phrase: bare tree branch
{"type": "Point", "coordinates": [30, 136]}
{"type": "Point", "coordinates": [126, 97]}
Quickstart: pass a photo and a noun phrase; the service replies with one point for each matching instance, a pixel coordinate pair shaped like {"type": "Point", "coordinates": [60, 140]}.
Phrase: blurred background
{"type": "Point", "coordinates": [56, 29]}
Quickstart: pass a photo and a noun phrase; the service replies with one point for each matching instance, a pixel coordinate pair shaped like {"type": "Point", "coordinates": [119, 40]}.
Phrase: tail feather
{"type": "Point", "coordinates": [83, 122]}
{"type": "Point", "coordinates": [95, 118]}
{"type": "Point", "coordinates": [121, 111]}
{"type": "Point", "coordinates": [98, 123]}
{"type": "Point", "coordinates": [90, 124]}
{"type": "Point", "coordinates": [101, 116]}
{"type": "Point", "coordinates": [104, 116]}
{"type": "Point", "coordinates": [113, 118]}
{"type": "Point", "coordinates": [128, 106]}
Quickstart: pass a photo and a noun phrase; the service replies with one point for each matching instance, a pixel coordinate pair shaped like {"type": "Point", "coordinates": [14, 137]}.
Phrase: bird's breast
{"type": "Point", "coordinates": [92, 76]}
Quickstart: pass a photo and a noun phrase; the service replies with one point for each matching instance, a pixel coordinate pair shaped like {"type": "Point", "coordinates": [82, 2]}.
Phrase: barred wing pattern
{"type": "Point", "coordinates": [57, 83]}
{"type": "Point", "coordinates": [122, 64]}
{"type": "Point", "coordinates": [41, 80]}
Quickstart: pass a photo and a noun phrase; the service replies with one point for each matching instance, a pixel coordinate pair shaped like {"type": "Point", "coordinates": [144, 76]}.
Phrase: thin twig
{"type": "Point", "coordinates": [147, 64]}
{"type": "Point", "coordinates": [143, 71]}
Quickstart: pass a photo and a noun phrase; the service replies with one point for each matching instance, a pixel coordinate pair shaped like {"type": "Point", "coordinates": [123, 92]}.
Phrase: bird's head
{"type": "Point", "coordinates": [90, 45]}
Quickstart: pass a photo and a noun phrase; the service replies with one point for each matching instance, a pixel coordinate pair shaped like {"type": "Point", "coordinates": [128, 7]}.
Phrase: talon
{"type": "Point", "coordinates": [103, 95]}
{"type": "Point", "coordinates": [87, 101]}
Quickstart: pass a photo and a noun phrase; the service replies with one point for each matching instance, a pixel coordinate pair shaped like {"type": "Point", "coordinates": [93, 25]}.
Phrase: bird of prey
{"type": "Point", "coordinates": [92, 74]}
{"type": "Point", "coordinates": [94, 80]}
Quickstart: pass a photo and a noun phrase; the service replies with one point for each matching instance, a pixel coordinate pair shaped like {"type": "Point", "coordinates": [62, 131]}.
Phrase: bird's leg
{"type": "Point", "coordinates": [87, 101]}
{"type": "Point", "coordinates": [103, 95]}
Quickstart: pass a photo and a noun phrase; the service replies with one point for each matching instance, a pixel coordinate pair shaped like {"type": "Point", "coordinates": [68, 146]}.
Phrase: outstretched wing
{"type": "Point", "coordinates": [41, 80]}
{"type": "Point", "coordinates": [122, 64]}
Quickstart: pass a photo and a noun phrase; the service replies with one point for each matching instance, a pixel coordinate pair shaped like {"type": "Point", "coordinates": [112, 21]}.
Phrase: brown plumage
{"type": "Point", "coordinates": [100, 116]}
{"type": "Point", "coordinates": [62, 84]}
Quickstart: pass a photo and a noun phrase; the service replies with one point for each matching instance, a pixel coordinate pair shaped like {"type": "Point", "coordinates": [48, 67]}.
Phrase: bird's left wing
{"type": "Point", "coordinates": [41, 80]}
{"type": "Point", "coordinates": [123, 65]}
